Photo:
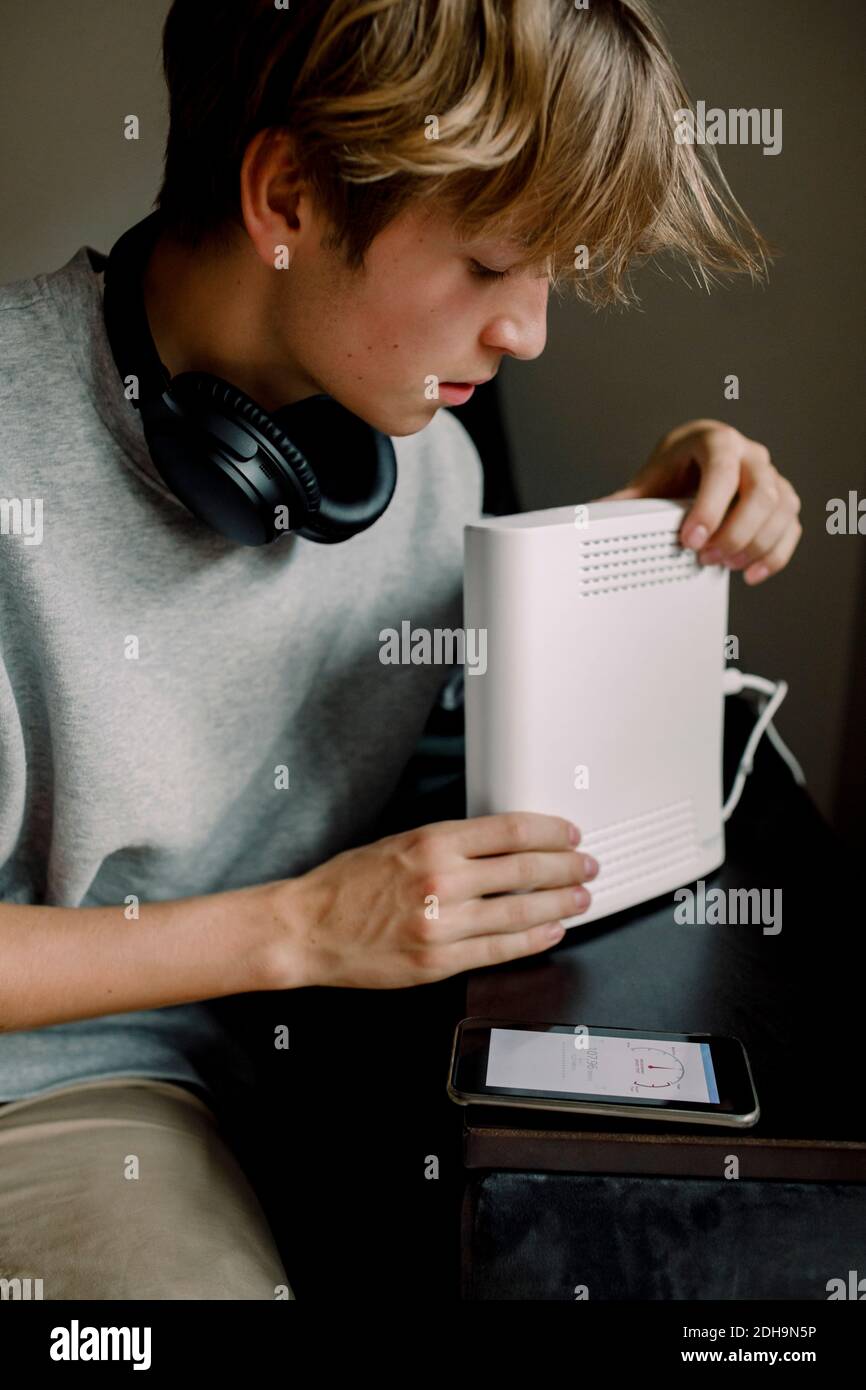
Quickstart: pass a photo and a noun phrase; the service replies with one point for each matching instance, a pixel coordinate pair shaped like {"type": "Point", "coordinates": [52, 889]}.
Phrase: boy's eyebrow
{"type": "Point", "coordinates": [510, 245]}
{"type": "Point", "coordinates": [515, 246]}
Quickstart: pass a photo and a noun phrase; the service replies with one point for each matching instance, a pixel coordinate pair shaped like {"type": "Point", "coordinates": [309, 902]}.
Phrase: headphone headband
{"type": "Point", "coordinates": [125, 314]}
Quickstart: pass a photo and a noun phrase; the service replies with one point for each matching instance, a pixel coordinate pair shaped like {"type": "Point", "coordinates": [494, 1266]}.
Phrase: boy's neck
{"type": "Point", "coordinates": [206, 314]}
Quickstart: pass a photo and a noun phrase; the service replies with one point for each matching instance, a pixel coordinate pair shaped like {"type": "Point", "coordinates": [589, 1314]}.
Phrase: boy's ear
{"type": "Point", "coordinates": [277, 201]}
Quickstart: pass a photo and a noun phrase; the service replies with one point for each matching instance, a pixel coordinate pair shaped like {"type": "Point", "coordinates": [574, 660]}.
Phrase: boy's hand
{"type": "Point", "coordinates": [745, 514]}
{"type": "Point", "coordinates": [415, 907]}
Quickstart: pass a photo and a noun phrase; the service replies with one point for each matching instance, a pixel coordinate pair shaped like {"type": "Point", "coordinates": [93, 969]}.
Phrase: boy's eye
{"type": "Point", "coordinates": [485, 273]}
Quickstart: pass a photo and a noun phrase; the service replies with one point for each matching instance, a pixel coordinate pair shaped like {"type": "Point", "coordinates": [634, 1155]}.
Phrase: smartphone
{"type": "Point", "coordinates": [694, 1078]}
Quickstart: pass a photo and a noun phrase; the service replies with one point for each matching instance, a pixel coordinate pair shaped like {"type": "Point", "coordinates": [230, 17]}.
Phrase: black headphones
{"type": "Point", "coordinates": [231, 463]}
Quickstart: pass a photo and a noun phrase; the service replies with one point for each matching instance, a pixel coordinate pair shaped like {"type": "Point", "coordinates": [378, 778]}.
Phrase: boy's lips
{"type": "Point", "coordinates": [455, 393]}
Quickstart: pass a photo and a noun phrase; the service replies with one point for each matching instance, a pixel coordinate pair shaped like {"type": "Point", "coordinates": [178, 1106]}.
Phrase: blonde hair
{"type": "Point", "coordinates": [554, 126]}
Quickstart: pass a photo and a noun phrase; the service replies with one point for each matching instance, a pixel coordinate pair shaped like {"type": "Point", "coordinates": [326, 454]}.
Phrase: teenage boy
{"type": "Point", "coordinates": [371, 202]}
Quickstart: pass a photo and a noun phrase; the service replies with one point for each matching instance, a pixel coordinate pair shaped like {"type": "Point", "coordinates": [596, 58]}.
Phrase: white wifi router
{"type": "Point", "coordinates": [602, 696]}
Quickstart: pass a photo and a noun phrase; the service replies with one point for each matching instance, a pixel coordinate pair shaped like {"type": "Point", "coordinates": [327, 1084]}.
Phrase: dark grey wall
{"type": "Point", "coordinates": [586, 414]}
{"type": "Point", "coordinates": [69, 74]}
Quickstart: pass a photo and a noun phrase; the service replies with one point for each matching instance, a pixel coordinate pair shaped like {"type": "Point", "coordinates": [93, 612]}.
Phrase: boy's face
{"type": "Point", "coordinates": [417, 310]}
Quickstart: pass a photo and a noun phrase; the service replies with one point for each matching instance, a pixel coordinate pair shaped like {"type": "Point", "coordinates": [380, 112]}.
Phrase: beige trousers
{"type": "Point", "coordinates": [126, 1189]}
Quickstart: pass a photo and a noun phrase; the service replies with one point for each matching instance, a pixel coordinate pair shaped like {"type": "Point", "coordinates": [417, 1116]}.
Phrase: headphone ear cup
{"type": "Point", "coordinates": [235, 404]}
{"type": "Point", "coordinates": [356, 466]}
{"type": "Point", "coordinates": [228, 462]}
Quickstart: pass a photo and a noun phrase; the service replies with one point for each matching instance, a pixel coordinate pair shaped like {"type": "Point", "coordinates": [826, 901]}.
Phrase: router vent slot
{"type": "Point", "coordinates": [656, 844]}
{"type": "Point", "coordinates": [613, 564]}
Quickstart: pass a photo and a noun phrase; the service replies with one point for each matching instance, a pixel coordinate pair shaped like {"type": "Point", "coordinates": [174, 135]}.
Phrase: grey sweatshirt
{"type": "Point", "coordinates": [155, 678]}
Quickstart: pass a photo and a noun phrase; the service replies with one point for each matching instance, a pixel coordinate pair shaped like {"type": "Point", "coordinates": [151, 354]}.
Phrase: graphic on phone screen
{"type": "Point", "coordinates": [593, 1064]}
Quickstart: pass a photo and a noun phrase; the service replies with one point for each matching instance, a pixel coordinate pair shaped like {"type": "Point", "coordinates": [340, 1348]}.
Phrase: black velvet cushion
{"type": "Point", "coordinates": [534, 1236]}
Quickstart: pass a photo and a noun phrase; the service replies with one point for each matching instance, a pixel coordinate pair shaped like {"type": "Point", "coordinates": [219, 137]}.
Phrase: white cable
{"type": "Point", "coordinates": [739, 682]}
{"type": "Point", "coordinates": [733, 682]}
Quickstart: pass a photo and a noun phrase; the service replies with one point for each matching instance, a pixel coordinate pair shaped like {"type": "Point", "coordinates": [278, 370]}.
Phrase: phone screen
{"type": "Point", "coordinates": [587, 1065]}
{"type": "Point", "coordinates": [601, 1065]}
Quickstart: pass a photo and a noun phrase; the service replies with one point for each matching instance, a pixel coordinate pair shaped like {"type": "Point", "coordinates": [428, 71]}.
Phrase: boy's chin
{"type": "Point", "coordinates": [409, 420]}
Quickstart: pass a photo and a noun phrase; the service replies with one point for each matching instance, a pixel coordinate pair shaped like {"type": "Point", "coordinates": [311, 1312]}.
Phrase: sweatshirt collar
{"type": "Point", "coordinates": [77, 292]}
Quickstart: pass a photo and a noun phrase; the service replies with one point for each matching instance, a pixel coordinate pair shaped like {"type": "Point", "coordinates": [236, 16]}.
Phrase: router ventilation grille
{"type": "Point", "coordinates": [660, 842]}
{"type": "Point", "coordinates": [616, 563]}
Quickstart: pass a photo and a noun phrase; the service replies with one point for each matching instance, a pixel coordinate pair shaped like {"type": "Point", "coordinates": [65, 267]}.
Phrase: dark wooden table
{"type": "Point", "coordinates": [794, 998]}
